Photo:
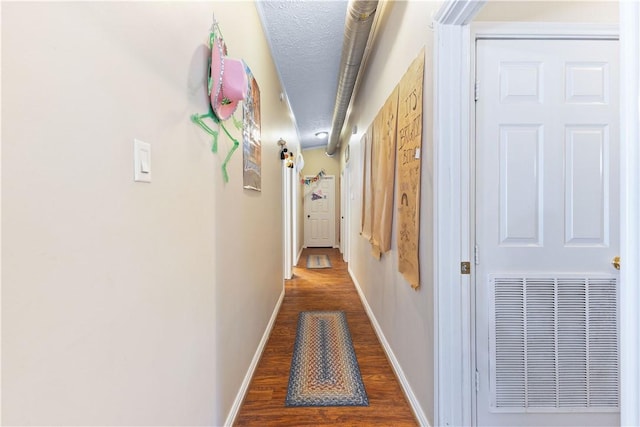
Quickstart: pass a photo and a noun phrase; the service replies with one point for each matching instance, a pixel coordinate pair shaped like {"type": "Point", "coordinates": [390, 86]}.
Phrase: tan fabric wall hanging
{"type": "Point", "coordinates": [383, 174]}
{"type": "Point", "coordinates": [408, 159]}
{"type": "Point", "coordinates": [367, 194]}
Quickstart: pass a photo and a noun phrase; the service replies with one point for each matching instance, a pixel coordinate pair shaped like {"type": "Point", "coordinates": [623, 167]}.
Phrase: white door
{"type": "Point", "coordinates": [547, 206]}
{"type": "Point", "coordinates": [319, 212]}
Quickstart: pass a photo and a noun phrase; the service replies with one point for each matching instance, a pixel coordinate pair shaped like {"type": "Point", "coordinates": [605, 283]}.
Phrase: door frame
{"type": "Point", "coordinates": [288, 217]}
{"type": "Point", "coordinates": [452, 152]}
{"type": "Point", "coordinates": [630, 213]}
{"type": "Point", "coordinates": [344, 212]}
{"type": "Point", "coordinates": [452, 168]}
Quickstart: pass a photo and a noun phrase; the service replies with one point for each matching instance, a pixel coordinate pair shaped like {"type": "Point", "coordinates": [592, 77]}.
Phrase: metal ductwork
{"type": "Point", "coordinates": [360, 17]}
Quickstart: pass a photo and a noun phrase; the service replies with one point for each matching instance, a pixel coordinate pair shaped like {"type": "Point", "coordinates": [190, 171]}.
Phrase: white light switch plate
{"type": "Point", "coordinates": [141, 161]}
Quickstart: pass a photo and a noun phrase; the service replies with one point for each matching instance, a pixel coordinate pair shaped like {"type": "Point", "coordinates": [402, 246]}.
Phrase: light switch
{"type": "Point", "coordinates": [144, 161]}
{"type": "Point", "coordinates": [141, 161]}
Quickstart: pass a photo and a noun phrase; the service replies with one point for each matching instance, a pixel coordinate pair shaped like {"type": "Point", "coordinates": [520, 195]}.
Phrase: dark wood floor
{"type": "Point", "coordinates": [323, 289]}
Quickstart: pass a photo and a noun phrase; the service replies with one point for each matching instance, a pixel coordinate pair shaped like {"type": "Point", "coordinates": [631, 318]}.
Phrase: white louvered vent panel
{"type": "Point", "coordinates": [541, 352]}
{"type": "Point", "coordinates": [603, 344]}
{"type": "Point", "coordinates": [572, 343]}
{"type": "Point", "coordinates": [555, 342]}
{"type": "Point", "coordinates": [510, 349]}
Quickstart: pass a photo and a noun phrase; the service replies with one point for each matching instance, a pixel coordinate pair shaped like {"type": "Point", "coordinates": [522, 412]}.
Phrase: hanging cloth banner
{"type": "Point", "coordinates": [309, 181]}
{"type": "Point", "coordinates": [409, 169]}
{"type": "Point", "coordinates": [383, 167]}
{"type": "Point", "coordinates": [367, 192]}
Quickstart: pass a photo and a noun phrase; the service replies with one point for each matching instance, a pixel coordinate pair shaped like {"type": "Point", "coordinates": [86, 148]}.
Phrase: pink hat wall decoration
{"type": "Point", "coordinates": [227, 86]}
{"type": "Point", "coordinates": [227, 81]}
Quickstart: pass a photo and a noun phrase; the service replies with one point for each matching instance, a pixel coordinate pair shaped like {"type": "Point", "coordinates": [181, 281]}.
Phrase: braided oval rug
{"type": "Point", "coordinates": [324, 369]}
{"type": "Point", "coordinates": [318, 261]}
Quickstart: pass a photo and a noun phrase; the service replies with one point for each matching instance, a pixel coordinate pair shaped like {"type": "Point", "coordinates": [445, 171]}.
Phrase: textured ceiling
{"type": "Point", "coordinates": [306, 43]}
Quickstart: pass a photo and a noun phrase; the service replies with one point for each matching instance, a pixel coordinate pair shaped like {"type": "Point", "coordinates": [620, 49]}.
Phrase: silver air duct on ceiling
{"type": "Point", "coordinates": [360, 17]}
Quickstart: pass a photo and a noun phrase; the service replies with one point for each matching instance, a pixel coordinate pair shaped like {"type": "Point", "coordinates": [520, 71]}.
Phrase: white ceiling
{"type": "Point", "coordinates": [306, 44]}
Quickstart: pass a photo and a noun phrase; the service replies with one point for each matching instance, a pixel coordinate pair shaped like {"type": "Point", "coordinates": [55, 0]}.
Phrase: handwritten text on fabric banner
{"type": "Point", "coordinates": [409, 143]}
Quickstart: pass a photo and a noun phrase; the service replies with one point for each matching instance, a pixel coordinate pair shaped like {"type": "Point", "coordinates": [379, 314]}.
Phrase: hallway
{"type": "Point", "coordinates": [323, 289]}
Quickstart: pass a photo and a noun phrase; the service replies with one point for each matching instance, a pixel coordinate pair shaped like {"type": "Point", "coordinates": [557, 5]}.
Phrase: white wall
{"type": "Point", "coordinates": [549, 11]}
{"type": "Point", "coordinates": [127, 303]}
{"type": "Point", "coordinates": [405, 316]}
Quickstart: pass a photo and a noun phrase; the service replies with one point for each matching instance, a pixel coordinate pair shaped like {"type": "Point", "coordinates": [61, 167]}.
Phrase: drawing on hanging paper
{"type": "Point", "coordinates": [318, 196]}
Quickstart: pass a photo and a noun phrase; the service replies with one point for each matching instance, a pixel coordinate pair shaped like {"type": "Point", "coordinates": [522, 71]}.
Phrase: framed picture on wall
{"type": "Point", "coordinates": [251, 144]}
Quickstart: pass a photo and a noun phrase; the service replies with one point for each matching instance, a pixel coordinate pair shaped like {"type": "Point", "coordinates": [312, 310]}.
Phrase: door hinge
{"type": "Point", "coordinates": [476, 257]}
{"type": "Point", "coordinates": [465, 267]}
{"type": "Point", "coordinates": [477, 381]}
{"type": "Point", "coordinates": [476, 90]}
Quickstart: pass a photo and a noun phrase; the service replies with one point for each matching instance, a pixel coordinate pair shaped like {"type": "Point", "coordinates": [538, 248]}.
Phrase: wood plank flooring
{"type": "Point", "coordinates": [323, 289]}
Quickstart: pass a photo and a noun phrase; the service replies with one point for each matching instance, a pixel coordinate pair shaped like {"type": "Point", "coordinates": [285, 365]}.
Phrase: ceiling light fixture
{"type": "Point", "coordinates": [322, 135]}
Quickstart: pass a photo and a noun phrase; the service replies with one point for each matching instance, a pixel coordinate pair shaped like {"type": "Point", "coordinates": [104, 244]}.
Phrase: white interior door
{"type": "Point", "coordinates": [319, 212]}
{"type": "Point", "coordinates": [547, 209]}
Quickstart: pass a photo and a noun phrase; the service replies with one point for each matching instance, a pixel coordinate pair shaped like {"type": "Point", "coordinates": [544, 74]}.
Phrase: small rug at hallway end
{"type": "Point", "coordinates": [324, 368]}
{"type": "Point", "coordinates": [318, 261]}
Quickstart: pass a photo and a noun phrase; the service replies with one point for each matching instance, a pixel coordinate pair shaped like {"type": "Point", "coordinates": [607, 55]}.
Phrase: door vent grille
{"type": "Point", "coordinates": [554, 343]}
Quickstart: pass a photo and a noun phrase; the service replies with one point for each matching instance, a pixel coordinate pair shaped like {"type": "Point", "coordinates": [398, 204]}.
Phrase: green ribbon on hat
{"type": "Point", "coordinates": [198, 119]}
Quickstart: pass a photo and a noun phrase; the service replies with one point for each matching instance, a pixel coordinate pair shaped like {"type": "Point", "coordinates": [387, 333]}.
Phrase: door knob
{"type": "Point", "coordinates": [616, 262]}
{"type": "Point", "coordinates": [308, 216]}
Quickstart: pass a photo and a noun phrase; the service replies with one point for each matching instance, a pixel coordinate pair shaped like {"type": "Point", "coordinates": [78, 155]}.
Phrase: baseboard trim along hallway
{"type": "Point", "coordinates": [233, 413]}
{"type": "Point", "coordinates": [395, 365]}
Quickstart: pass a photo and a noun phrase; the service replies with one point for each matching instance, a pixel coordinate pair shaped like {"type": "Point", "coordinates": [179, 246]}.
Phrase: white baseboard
{"type": "Point", "coordinates": [397, 369]}
{"type": "Point", "coordinates": [299, 255]}
{"type": "Point", "coordinates": [233, 413]}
